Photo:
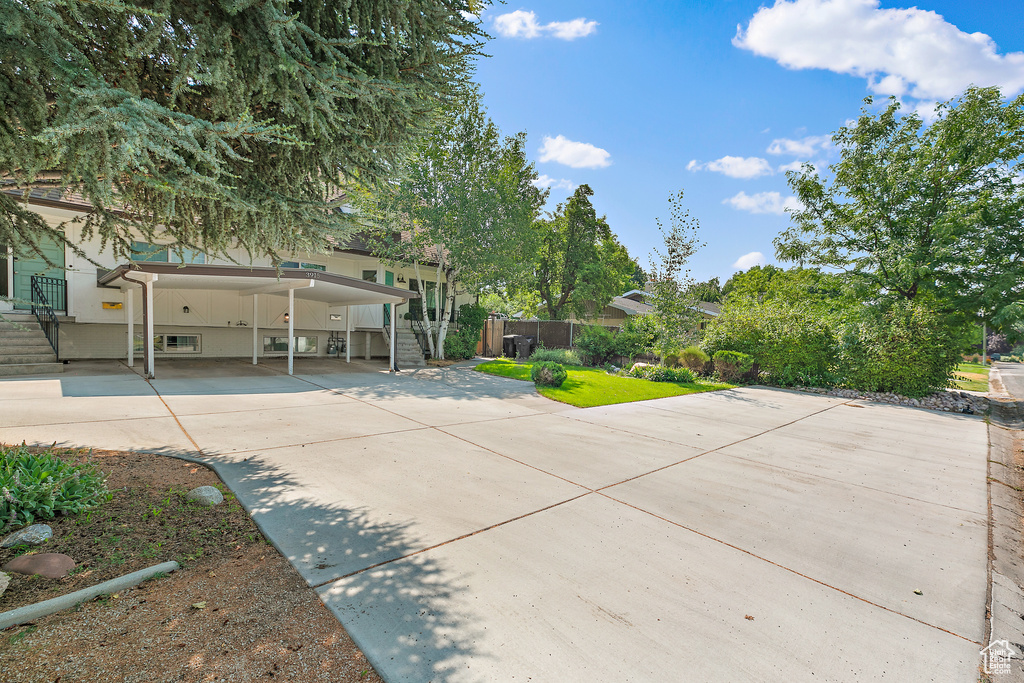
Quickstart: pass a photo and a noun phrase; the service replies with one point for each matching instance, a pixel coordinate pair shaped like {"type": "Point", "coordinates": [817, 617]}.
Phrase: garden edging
{"type": "Point", "coordinates": [28, 613]}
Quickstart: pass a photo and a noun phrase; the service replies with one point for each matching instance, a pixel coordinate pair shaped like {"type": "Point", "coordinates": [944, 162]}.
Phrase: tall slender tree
{"type": "Point", "coordinates": [219, 122]}
{"type": "Point", "coordinates": [466, 200]}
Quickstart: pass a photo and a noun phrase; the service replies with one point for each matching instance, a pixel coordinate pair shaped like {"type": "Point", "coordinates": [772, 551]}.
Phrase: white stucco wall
{"type": "Point", "coordinates": [223, 318]}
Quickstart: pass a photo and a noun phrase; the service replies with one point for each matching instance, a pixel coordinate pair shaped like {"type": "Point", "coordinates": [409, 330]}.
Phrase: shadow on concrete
{"type": "Point", "coordinates": [399, 612]}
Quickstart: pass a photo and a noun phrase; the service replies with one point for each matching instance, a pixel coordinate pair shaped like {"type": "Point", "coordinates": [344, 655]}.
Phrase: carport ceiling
{"type": "Point", "coordinates": [330, 288]}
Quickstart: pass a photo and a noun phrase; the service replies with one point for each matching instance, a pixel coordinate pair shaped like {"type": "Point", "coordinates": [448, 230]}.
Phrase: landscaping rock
{"type": "Point", "coordinates": [206, 495]}
{"type": "Point", "coordinates": [30, 535]}
{"type": "Point", "coordinates": [5, 581]}
{"type": "Point", "coordinates": [638, 365]}
{"type": "Point", "coordinates": [50, 565]}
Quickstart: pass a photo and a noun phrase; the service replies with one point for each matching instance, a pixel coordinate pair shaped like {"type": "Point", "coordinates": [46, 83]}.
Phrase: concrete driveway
{"type": "Point", "coordinates": [465, 529]}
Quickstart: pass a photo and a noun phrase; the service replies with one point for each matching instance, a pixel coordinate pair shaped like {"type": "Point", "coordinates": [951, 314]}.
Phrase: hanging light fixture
{"type": "Point", "coordinates": [286, 317]}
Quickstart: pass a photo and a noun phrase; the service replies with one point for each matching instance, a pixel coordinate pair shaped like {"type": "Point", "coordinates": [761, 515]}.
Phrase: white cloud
{"type": "Point", "coordinates": [763, 202]}
{"type": "Point", "coordinates": [546, 181]}
{"type": "Point", "coordinates": [524, 24]}
{"type": "Point", "coordinates": [748, 261]}
{"type": "Point", "coordinates": [741, 167]}
{"type": "Point", "coordinates": [899, 52]}
{"type": "Point", "coordinates": [804, 147]}
{"type": "Point", "coordinates": [791, 166]}
{"type": "Point", "coordinates": [574, 154]}
{"type": "Point", "coordinates": [571, 30]}
{"type": "Point", "coordinates": [734, 167]}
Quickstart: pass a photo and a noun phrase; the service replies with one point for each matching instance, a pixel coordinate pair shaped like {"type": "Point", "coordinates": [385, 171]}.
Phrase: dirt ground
{"type": "Point", "coordinates": [235, 611]}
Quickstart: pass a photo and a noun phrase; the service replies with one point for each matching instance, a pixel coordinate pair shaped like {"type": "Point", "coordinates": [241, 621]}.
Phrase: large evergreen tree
{"type": "Point", "coordinates": [216, 122]}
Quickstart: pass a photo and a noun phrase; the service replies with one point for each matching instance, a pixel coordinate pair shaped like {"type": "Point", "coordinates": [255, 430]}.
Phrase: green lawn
{"type": "Point", "coordinates": [971, 377]}
{"type": "Point", "coordinates": [588, 387]}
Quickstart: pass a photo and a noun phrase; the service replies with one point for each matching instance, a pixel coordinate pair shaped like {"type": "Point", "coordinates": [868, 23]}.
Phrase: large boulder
{"type": "Point", "coordinates": [50, 565]}
{"type": "Point", "coordinates": [30, 535]}
{"type": "Point", "coordinates": [205, 495]}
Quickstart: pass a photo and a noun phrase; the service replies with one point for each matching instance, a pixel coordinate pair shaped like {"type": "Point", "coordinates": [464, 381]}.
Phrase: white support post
{"type": "Point", "coordinates": [369, 341]}
{"type": "Point", "coordinates": [147, 315]}
{"type": "Point", "coordinates": [391, 367]}
{"type": "Point", "coordinates": [348, 334]}
{"type": "Point", "coordinates": [255, 326]}
{"type": "Point", "coordinates": [129, 308]}
{"type": "Point", "coordinates": [291, 331]}
{"type": "Point", "coordinates": [984, 343]}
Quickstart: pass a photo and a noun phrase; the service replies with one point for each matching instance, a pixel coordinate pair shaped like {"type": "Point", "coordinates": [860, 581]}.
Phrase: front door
{"type": "Point", "coordinates": [27, 265]}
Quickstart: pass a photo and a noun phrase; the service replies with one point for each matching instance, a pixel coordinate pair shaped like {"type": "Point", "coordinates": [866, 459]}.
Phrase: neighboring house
{"type": "Point", "coordinates": [202, 307]}
{"type": "Point", "coordinates": [634, 302]}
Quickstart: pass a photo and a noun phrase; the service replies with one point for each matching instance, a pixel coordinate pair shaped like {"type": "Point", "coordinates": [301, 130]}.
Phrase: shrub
{"type": "Point", "coordinates": [462, 344]}
{"type": "Point", "coordinates": [906, 349]}
{"type": "Point", "coordinates": [671, 360]}
{"type": "Point", "coordinates": [41, 486]}
{"type": "Point", "coordinates": [637, 336]}
{"type": "Point", "coordinates": [793, 343]}
{"type": "Point", "coordinates": [693, 359]}
{"type": "Point", "coordinates": [660, 373]}
{"type": "Point", "coordinates": [563, 356]}
{"type": "Point", "coordinates": [731, 365]}
{"type": "Point", "coordinates": [548, 374]}
{"type": "Point", "coordinates": [597, 343]}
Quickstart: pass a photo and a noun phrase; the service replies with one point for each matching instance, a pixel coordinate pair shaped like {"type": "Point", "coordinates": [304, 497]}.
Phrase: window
{"type": "Point", "coordinates": [426, 300]}
{"type": "Point", "coordinates": [162, 253]}
{"type": "Point", "coordinates": [181, 343]}
{"type": "Point", "coordinates": [370, 275]}
{"type": "Point", "coordinates": [144, 251]}
{"type": "Point", "coordinates": [280, 344]}
{"type": "Point", "coordinates": [303, 266]}
{"type": "Point", "coordinates": [171, 343]}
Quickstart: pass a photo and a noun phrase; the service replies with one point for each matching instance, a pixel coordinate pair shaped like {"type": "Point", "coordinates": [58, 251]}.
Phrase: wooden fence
{"type": "Point", "coordinates": [552, 334]}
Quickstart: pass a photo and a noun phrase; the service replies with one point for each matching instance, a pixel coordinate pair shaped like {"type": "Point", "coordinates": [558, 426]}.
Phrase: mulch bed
{"type": "Point", "coordinates": [235, 611]}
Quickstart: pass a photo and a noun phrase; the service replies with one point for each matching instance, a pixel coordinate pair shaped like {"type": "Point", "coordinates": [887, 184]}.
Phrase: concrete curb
{"type": "Point", "coordinates": [47, 607]}
{"type": "Point", "coordinates": [1006, 512]}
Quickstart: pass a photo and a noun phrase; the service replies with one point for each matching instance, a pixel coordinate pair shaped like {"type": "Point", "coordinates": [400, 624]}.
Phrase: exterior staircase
{"type": "Point", "coordinates": [24, 349]}
{"type": "Point", "coordinates": [407, 350]}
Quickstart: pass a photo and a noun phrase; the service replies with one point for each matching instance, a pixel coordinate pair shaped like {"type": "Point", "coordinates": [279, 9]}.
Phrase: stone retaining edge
{"type": "Point", "coordinates": [38, 610]}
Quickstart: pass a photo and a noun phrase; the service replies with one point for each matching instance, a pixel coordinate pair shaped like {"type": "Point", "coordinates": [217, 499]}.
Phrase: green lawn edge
{"type": "Point", "coordinates": [971, 383]}
{"type": "Point", "coordinates": [591, 387]}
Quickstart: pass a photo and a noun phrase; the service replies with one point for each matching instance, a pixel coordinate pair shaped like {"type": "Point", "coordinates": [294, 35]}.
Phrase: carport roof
{"type": "Point", "coordinates": [330, 288]}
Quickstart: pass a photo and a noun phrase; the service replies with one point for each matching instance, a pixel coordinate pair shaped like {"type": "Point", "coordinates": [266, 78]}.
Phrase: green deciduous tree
{"type": "Point", "coordinates": [580, 265]}
{"type": "Point", "coordinates": [672, 295]}
{"type": "Point", "coordinates": [464, 200]}
{"type": "Point", "coordinates": [220, 122]}
{"type": "Point", "coordinates": [913, 209]}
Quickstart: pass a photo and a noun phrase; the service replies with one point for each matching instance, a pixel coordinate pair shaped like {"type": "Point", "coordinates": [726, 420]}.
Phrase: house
{"type": "Point", "coordinates": [167, 305]}
{"type": "Point", "coordinates": [634, 302]}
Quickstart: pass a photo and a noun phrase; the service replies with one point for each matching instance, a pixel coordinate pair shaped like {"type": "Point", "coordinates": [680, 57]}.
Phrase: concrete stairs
{"type": "Point", "coordinates": [407, 350]}
{"type": "Point", "coordinates": [24, 349]}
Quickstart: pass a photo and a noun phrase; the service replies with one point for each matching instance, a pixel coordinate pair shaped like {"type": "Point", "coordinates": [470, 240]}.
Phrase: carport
{"type": "Point", "coordinates": [310, 285]}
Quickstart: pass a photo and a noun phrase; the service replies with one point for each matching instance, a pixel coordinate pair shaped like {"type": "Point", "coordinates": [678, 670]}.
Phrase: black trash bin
{"type": "Point", "coordinates": [508, 345]}
{"type": "Point", "coordinates": [523, 347]}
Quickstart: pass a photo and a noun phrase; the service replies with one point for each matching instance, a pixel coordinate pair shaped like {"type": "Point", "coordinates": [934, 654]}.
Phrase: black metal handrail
{"type": "Point", "coordinates": [44, 314]}
{"type": "Point", "coordinates": [54, 291]}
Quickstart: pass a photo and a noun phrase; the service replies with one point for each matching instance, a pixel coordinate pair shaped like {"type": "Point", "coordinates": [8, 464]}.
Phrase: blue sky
{"type": "Point", "coordinates": [714, 97]}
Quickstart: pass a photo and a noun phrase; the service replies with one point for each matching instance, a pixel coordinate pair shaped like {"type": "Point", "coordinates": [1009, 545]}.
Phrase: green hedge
{"type": "Point", "coordinates": [907, 349]}
{"type": "Point", "coordinates": [661, 373]}
{"type": "Point", "coordinates": [791, 343]}
{"type": "Point", "coordinates": [731, 365]}
{"type": "Point", "coordinates": [563, 356]}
